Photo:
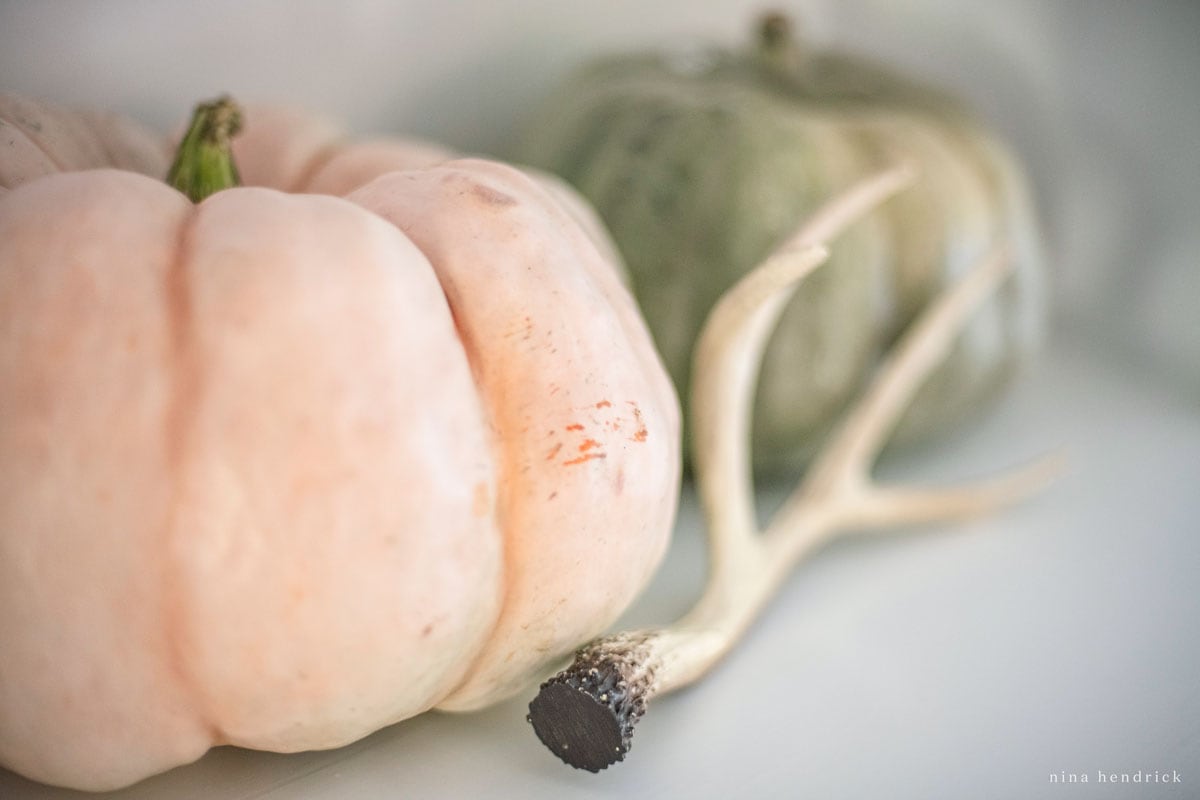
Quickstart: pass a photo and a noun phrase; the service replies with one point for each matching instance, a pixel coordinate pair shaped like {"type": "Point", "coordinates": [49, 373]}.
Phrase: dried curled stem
{"type": "Point", "coordinates": [586, 713]}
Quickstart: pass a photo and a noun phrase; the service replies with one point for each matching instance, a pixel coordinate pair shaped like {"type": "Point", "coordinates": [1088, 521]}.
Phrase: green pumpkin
{"type": "Point", "coordinates": [701, 164]}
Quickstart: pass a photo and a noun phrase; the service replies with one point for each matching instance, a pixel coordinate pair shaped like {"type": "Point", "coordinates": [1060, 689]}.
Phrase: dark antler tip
{"type": "Point", "coordinates": [586, 713]}
{"type": "Point", "coordinates": [577, 726]}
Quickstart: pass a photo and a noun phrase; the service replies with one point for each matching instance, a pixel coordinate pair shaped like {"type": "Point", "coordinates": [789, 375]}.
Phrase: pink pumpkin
{"type": "Point", "coordinates": [294, 463]}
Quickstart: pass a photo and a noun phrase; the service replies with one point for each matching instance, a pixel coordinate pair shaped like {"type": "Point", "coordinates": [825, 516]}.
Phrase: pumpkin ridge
{"type": "Point", "coordinates": [64, 137]}
{"type": "Point", "coordinates": [315, 164]}
{"type": "Point", "coordinates": [110, 156]}
{"type": "Point", "coordinates": [185, 385]}
{"type": "Point", "coordinates": [41, 148]}
{"type": "Point", "coordinates": [112, 130]}
{"type": "Point", "coordinates": [508, 462]}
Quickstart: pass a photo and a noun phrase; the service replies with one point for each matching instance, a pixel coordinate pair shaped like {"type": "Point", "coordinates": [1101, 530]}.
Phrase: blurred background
{"type": "Point", "coordinates": [1097, 95]}
{"type": "Point", "coordinates": [1062, 638]}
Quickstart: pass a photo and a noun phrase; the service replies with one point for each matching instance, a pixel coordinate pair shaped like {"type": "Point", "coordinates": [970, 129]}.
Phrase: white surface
{"type": "Point", "coordinates": [973, 662]}
{"type": "Point", "coordinates": [1063, 636]}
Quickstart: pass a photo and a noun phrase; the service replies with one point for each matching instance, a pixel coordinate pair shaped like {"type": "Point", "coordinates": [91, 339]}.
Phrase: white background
{"type": "Point", "coordinates": [1063, 636]}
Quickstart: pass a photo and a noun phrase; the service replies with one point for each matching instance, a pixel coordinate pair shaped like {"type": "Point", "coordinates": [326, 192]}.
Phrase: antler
{"type": "Point", "coordinates": [586, 713]}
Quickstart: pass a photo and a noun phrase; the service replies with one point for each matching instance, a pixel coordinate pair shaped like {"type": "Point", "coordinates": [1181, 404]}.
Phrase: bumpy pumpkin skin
{"type": "Point", "coordinates": [700, 164]}
{"type": "Point", "coordinates": [274, 473]}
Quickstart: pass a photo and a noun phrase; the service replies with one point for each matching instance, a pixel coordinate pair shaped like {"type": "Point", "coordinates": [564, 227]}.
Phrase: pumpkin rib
{"type": "Point", "coordinates": [39, 146]}
{"type": "Point", "coordinates": [110, 156]}
{"type": "Point", "coordinates": [278, 145]}
{"type": "Point", "coordinates": [307, 579]}
{"type": "Point", "coordinates": [36, 147]}
{"type": "Point", "coordinates": [356, 163]}
{"type": "Point", "coordinates": [83, 615]}
{"type": "Point", "coordinates": [22, 127]}
{"type": "Point", "coordinates": [69, 142]}
{"type": "Point", "coordinates": [126, 145]}
{"type": "Point", "coordinates": [314, 165]}
{"type": "Point", "coordinates": [568, 416]}
{"type": "Point", "coordinates": [185, 386]}
{"type": "Point", "coordinates": [87, 140]}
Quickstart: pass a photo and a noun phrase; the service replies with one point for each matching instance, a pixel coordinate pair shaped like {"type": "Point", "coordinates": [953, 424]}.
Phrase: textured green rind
{"type": "Point", "coordinates": [699, 173]}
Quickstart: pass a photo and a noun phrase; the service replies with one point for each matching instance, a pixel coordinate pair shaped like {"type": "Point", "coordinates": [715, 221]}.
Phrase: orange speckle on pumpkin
{"type": "Point", "coordinates": [553, 451]}
{"type": "Point", "coordinates": [575, 426]}
{"type": "Point", "coordinates": [641, 433]}
{"type": "Point", "coordinates": [479, 504]}
{"type": "Point", "coordinates": [583, 458]}
{"type": "Point", "coordinates": [588, 444]}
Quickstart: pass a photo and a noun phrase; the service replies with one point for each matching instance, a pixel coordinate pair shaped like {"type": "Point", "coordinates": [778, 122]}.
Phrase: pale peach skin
{"type": "Point", "coordinates": [292, 464]}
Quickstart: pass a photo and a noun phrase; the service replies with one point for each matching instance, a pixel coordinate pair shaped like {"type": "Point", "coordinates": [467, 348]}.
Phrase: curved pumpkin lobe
{"type": "Point", "coordinates": [337, 574]}
{"type": "Point", "coordinates": [585, 431]}
{"type": "Point", "coordinates": [86, 388]}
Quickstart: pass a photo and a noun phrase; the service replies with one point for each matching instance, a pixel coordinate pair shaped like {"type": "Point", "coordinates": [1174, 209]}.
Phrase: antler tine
{"type": "Point", "coordinates": [727, 363]}
{"type": "Point", "coordinates": [837, 492]}
{"type": "Point", "coordinates": [905, 505]}
{"type": "Point", "coordinates": [729, 353]}
{"type": "Point", "coordinates": [862, 434]}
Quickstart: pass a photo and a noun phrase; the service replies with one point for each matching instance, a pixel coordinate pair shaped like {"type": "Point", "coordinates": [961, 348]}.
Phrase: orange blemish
{"type": "Point", "coordinates": [553, 451]}
{"type": "Point", "coordinates": [604, 404]}
{"type": "Point", "coordinates": [575, 427]}
{"type": "Point", "coordinates": [641, 433]}
{"type": "Point", "coordinates": [588, 444]}
{"type": "Point", "coordinates": [584, 458]}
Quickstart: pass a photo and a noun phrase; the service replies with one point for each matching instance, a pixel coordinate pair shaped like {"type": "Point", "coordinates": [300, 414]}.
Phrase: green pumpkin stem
{"type": "Point", "coordinates": [777, 44]}
{"type": "Point", "coordinates": [204, 163]}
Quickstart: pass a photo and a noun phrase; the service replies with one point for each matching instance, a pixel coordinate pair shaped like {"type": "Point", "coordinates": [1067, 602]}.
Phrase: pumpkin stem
{"type": "Point", "coordinates": [204, 163]}
{"type": "Point", "coordinates": [777, 45]}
